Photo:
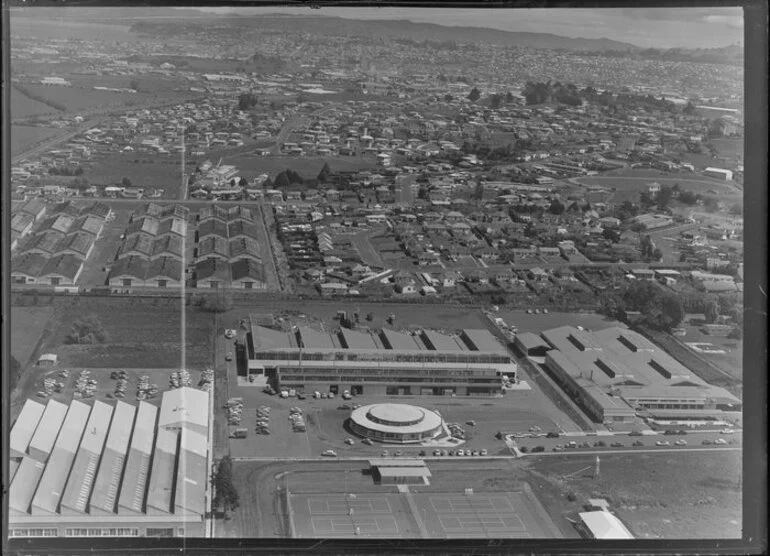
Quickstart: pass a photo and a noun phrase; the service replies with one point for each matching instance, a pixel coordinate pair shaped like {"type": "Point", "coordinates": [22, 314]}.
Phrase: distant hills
{"type": "Point", "coordinates": [383, 29]}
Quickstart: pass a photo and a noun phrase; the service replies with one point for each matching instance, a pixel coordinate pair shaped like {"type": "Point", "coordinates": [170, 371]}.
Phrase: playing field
{"type": "Point", "coordinates": [426, 515]}
{"type": "Point", "coordinates": [350, 515]}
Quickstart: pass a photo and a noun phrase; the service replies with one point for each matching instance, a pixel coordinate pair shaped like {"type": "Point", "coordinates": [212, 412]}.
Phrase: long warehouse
{"type": "Point", "coordinates": [115, 471]}
{"type": "Point", "coordinates": [384, 362]}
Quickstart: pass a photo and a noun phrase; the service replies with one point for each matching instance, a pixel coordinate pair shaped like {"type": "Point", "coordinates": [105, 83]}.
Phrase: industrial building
{"type": "Point", "coordinates": [117, 471]}
{"type": "Point", "coordinates": [384, 362]}
{"type": "Point", "coordinates": [616, 373]}
{"type": "Point", "coordinates": [396, 423]}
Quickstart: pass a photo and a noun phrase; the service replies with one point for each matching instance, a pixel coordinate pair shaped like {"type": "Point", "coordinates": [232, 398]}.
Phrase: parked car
{"type": "Point", "coordinates": [349, 441]}
{"type": "Point", "coordinates": [385, 454]}
{"type": "Point", "coordinates": [663, 443]}
{"type": "Point", "coordinates": [638, 443]}
{"type": "Point", "coordinates": [346, 395]}
{"type": "Point", "coordinates": [367, 441]}
{"type": "Point", "coordinates": [229, 357]}
{"type": "Point", "coordinates": [600, 444]}
{"type": "Point", "coordinates": [552, 434]}
{"type": "Point", "coordinates": [344, 406]}
{"type": "Point", "coordinates": [329, 453]}
{"type": "Point", "coordinates": [634, 433]}
{"type": "Point", "coordinates": [557, 448]}
{"type": "Point", "coordinates": [483, 452]}
{"type": "Point", "coordinates": [471, 422]}
{"type": "Point", "coordinates": [707, 442]}
{"type": "Point", "coordinates": [460, 452]}
{"type": "Point", "coordinates": [398, 453]}
{"type": "Point", "coordinates": [436, 452]}
{"type": "Point", "coordinates": [324, 395]}
{"type": "Point", "coordinates": [617, 444]}
{"type": "Point", "coordinates": [301, 396]}
{"type": "Point", "coordinates": [720, 442]}
{"type": "Point", "coordinates": [680, 442]}
{"type": "Point", "coordinates": [728, 431]}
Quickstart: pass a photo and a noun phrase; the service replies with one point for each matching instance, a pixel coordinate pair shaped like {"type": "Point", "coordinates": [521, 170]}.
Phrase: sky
{"type": "Point", "coordinates": [645, 27]}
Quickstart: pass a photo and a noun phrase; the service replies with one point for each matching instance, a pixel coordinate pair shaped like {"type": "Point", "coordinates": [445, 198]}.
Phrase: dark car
{"type": "Point", "coordinates": [552, 434]}
{"type": "Point", "coordinates": [301, 396]}
{"type": "Point", "coordinates": [638, 443]}
{"type": "Point", "coordinates": [634, 433]}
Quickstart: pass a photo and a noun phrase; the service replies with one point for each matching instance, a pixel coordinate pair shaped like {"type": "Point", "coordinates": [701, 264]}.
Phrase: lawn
{"type": "Point", "coordinates": [27, 325]}
{"type": "Point", "coordinates": [142, 334]}
{"type": "Point", "coordinates": [25, 137]}
{"type": "Point", "coordinates": [684, 495]}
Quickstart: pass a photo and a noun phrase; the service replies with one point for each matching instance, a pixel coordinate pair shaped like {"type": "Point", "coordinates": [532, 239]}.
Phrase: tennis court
{"type": "Point", "coordinates": [351, 515]}
{"type": "Point", "coordinates": [481, 515]}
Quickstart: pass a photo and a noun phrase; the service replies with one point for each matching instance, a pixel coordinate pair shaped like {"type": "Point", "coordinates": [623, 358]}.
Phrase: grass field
{"type": "Point", "coordinates": [142, 334]}
{"type": "Point", "coordinates": [24, 107]}
{"type": "Point", "coordinates": [308, 167]}
{"type": "Point", "coordinates": [670, 496]}
{"type": "Point", "coordinates": [24, 137]}
{"type": "Point", "coordinates": [27, 325]}
{"type": "Point", "coordinates": [30, 25]}
{"type": "Point", "coordinates": [151, 172]}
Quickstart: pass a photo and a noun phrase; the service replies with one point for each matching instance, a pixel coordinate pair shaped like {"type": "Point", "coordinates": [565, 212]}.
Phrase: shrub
{"type": "Point", "coordinates": [571, 496]}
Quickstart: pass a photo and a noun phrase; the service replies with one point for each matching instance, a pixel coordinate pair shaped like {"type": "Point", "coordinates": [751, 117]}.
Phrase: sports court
{"type": "Point", "coordinates": [483, 515]}
{"type": "Point", "coordinates": [350, 515]}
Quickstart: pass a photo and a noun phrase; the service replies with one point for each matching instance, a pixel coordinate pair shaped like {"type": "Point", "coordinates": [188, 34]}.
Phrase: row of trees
{"type": "Point", "coordinates": [539, 93]}
{"type": "Point", "coordinates": [661, 310]}
{"type": "Point", "coordinates": [226, 496]}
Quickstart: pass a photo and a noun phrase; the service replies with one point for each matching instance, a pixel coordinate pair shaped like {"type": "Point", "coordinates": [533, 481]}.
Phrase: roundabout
{"type": "Point", "coordinates": [396, 423]}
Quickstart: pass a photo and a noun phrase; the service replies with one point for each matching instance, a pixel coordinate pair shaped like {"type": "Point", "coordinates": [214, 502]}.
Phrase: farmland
{"type": "Point", "coordinates": [685, 495]}
{"type": "Point", "coordinates": [25, 137]}
{"type": "Point", "coordinates": [27, 24]}
{"type": "Point", "coordinates": [24, 107]}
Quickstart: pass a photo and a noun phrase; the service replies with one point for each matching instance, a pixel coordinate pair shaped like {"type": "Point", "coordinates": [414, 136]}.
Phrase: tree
{"type": "Point", "coordinates": [611, 235]}
{"type": "Point", "coordinates": [281, 180]}
{"type": "Point", "coordinates": [226, 496]}
{"type": "Point", "coordinates": [664, 196]}
{"type": "Point", "coordinates": [478, 192]}
{"type": "Point", "coordinates": [495, 101]}
{"type": "Point", "coordinates": [323, 175]}
{"type": "Point", "coordinates": [712, 312]}
{"type": "Point", "coordinates": [710, 204]}
{"type": "Point", "coordinates": [689, 109]}
{"type": "Point", "coordinates": [508, 97]}
{"type": "Point", "coordinates": [218, 304]}
{"type": "Point", "coordinates": [87, 330]}
{"type": "Point", "coordinates": [126, 182]}
{"type": "Point", "coordinates": [556, 207]}
{"type": "Point", "coordinates": [688, 198]}
{"type": "Point", "coordinates": [15, 372]}
{"type": "Point", "coordinates": [474, 95]}
{"type": "Point", "coordinates": [448, 98]}
{"type": "Point", "coordinates": [657, 254]}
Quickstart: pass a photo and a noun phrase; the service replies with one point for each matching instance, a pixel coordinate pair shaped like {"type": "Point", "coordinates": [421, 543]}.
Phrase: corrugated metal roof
{"type": "Point", "coordinates": [440, 342]}
{"type": "Point", "coordinates": [162, 474]}
{"type": "Point", "coordinates": [314, 339]}
{"type": "Point", "coordinates": [482, 339]}
{"type": "Point", "coordinates": [194, 442]}
{"type": "Point", "coordinates": [146, 421]}
{"type": "Point", "coordinates": [107, 483]}
{"type": "Point", "coordinates": [96, 428]}
{"type": "Point", "coordinates": [48, 427]}
{"type": "Point", "coordinates": [182, 406]}
{"type": "Point", "coordinates": [74, 424]}
{"type": "Point", "coordinates": [80, 482]}
{"type": "Point", "coordinates": [399, 340]}
{"type": "Point", "coordinates": [120, 429]}
{"type": "Point", "coordinates": [24, 428]}
{"type": "Point", "coordinates": [191, 479]}
{"type": "Point", "coordinates": [357, 340]}
{"type": "Point", "coordinates": [134, 484]}
{"type": "Point", "coordinates": [51, 487]}
{"type": "Point", "coordinates": [24, 483]}
{"type": "Point", "coordinates": [268, 338]}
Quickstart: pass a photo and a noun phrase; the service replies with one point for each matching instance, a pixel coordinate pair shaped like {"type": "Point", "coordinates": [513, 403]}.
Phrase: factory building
{"type": "Point", "coordinates": [616, 373]}
{"type": "Point", "coordinates": [386, 362]}
{"type": "Point", "coordinates": [117, 471]}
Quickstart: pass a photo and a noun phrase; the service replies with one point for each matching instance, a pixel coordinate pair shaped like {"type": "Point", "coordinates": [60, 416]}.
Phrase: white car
{"type": "Point", "coordinates": [329, 453]}
{"type": "Point", "coordinates": [680, 442]}
{"type": "Point", "coordinates": [460, 452]}
{"type": "Point", "coordinates": [720, 441]}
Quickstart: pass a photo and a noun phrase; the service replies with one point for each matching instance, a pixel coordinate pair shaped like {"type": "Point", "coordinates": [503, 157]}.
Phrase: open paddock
{"type": "Point", "coordinates": [27, 325]}
{"type": "Point", "coordinates": [25, 137]}
{"type": "Point", "coordinates": [307, 166]}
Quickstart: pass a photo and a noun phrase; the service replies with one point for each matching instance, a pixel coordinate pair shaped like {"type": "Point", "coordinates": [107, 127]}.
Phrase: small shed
{"type": "Point", "coordinates": [48, 360]}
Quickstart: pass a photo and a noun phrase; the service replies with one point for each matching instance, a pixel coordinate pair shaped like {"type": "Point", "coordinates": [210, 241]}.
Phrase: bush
{"type": "Point", "coordinates": [538, 449]}
{"type": "Point", "coordinates": [523, 449]}
{"type": "Point", "coordinates": [88, 330]}
{"type": "Point", "coordinates": [571, 496]}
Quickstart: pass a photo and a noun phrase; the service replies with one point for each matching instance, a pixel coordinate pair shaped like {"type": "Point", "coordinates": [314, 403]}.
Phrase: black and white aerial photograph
{"type": "Point", "coordinates": [330, 274]}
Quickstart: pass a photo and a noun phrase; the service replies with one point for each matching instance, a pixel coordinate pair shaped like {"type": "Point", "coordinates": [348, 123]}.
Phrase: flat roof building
{"type": "Point", "coordinates": [615, 373]}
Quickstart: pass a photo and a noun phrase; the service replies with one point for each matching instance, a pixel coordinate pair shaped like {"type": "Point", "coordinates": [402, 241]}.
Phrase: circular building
{"type": "Point", "coordinates": [397, 423]}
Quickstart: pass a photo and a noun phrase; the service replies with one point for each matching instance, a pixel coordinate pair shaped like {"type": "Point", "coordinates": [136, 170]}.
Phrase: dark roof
{"type": "Point", "coordinates": [170, 244]}
{"type": "Point", "coordinates": [138, 243]}
{"type": "Point", "coordinates": [79, 242]}
{"type": "Point", "coordinates": [45, 241]}
{"type": "Point", "coordinates": [172, 225]}
{"type": "Point", "coordinates": [132, 265]}
{"type": "Point", "coordinates": [165, 267]}
{"type": "Point", "coordinates": [212, 227]}
{"type": "Point", "coordinates": [20, 221]}
{"type": "Point", "coordinates": [146, 224]}
{"type": "Point", "coordinates": [244, 246]}
{"type": "Point", "coordinates": [213, 245]}
{"type": "Point", "coordinates": [67, 207]}
{"type": "Point", "coordinates": [97, 209]}
{"type": "Point", "coordinates": [239, 212]}
{"type": "Point", "coordinates": [242, 228]}
{"type": "Point", "coordinates": [61, 223]}
{"type": "Point", "coordinates": [247, 268]}
{"type": "Point", "coordinates": [212, 269]}
{"type": "Point", "coordinates": [91, 224]}
{"type": "Point", "coordinates": [312, 338]}
{"type": "Point", "coordinates": [29, 263]}
{"type": "Point", "coordinates": [150, 209]}
{"type": "Point", "coordinates": [175, 211]}
{"type": "Point", "coordinates": [212, 211]}
{"type": "Point", "coordinates": [33, 207]}
{"type": "Point", "coordinates": [398, 340]}
{"type": "Point", "coordinates": [64, 265]}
